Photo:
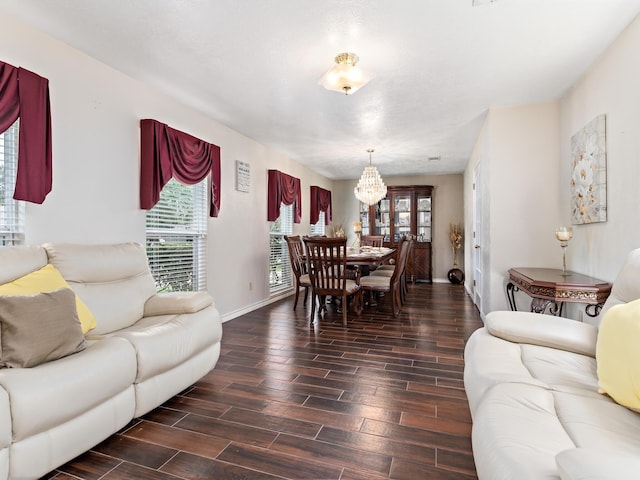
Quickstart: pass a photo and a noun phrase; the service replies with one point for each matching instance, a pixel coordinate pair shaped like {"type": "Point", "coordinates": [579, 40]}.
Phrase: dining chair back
{"type": "Point", "coordinates": [298, 266]}
{"type": "Point", "coordinates": [372, 240]}
{"type": "Point", "coordinates": [327, 267]}
{"type": "Point", "coordinates": [389, 284]}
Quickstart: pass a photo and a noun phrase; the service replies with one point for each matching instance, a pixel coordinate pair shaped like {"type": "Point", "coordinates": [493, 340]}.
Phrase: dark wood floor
{"type": "Point", "coordinates": [382, 398]}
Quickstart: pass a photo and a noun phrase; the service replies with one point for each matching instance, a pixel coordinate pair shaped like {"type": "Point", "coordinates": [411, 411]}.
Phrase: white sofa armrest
{"type": "Point", "coordinates": [544, 330]}
{"type": "Point", "coordinates": [176, 303]}
{"type": "Point", "coordinates": [592, 464]}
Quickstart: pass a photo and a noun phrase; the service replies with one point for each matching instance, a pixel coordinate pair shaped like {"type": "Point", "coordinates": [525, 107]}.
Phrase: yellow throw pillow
{"type": "Point", "coordinates": [48, 279]}
{"type": "Point", "coordinates": [618, 354]}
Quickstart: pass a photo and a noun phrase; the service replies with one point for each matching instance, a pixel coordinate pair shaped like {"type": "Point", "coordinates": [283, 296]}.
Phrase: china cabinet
{"type": "Point", "coordinates": [406, 210]}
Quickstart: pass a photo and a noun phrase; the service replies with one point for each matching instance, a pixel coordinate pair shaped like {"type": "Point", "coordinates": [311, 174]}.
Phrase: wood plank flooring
{"type": "Point", "coordinates": [289, 399]}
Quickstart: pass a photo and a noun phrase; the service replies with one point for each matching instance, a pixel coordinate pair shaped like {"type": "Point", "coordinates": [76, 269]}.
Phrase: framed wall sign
{"type": "Point", "coordinates": [243, 176]}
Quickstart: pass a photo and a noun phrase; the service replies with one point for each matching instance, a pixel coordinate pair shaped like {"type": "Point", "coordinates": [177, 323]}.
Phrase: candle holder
{"type": "Point", "coordinates": [564, 234]}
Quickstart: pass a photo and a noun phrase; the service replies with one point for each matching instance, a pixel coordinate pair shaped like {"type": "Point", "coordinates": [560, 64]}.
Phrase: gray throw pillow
{"type": "Point", "coordinates": [38, 328]}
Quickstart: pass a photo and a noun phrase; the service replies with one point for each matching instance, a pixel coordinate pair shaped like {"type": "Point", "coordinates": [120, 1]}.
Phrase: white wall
{"type": "Point", "coordinates": [520, 156]}
{"type": "Point", "coordinates": [610, 87]}
{"type": "Point", "coordinates": [95, 116]}
{"type": "Point", "coordinates": [447, 208]}
{"type": "Point", "coordinates": [525, 151]}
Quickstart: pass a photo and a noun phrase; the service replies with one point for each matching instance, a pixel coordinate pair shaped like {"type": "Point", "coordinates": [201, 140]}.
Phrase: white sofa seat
{"type": "Point", "coordinates": [529, 348]}
{"type": "Point", "coordinates": [60, 407]}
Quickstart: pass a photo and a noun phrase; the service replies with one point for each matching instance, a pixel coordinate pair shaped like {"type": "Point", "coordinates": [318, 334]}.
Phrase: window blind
{"type": "Point", "coordinates": [318, 228]}
{"type": "Point", "coordinates": [11, 211]}
{"type": "Point", "coordinates": [280, 275]}
{"type": "Point", "coordinates": [177, 237]}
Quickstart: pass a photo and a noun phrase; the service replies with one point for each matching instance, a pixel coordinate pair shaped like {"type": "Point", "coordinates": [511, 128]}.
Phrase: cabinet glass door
{"type": "Point", "coordinates": [383, 225]}
{"type": "Point", "coordinates": [364, 218]}
{"type": "Point", "coordinates": [401, 216]}
{"type": "Point", "coordinates": [424, 218]}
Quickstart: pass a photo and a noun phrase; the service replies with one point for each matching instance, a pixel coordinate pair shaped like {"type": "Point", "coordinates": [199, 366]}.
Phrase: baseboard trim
{"type": "Point", "coordinates": [254, 306]}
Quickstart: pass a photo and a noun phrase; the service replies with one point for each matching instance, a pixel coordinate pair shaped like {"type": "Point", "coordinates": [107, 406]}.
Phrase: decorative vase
{"type": "Point", "coordinates": [456, 276]}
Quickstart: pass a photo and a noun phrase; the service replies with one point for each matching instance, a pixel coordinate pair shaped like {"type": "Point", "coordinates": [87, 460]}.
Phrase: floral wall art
{"type": "Point", "coordinates": [589, 173]}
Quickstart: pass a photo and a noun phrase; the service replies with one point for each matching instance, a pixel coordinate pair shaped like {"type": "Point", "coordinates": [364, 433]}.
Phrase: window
{"type": "Point", "coordinates": [318, 228]}
{"type": "Point", "coordinates": [279, 265]}
{"type": "Point", "coordinates": [177, 238]}
{"type": "Point", "coordinates": [11, 211]}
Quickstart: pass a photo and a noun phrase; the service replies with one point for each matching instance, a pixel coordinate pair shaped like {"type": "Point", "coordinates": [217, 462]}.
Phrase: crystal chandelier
{"type": "Point", "coordinates": [345, 76]}
{"type": "Point", "coordinates": [370, 189]}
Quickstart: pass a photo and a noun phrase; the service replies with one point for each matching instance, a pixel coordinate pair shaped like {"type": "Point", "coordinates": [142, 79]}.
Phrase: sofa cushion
{"type": "Point", "coordinates": [17, 261]}
{"type": "Point", "coordinates": [595, 421]}
{"type": "Point", "coordinates": [592, 464]}
{"type": "Point", "coordinates": [517, 435]}
{"type": "Point", "coordinates": [618, 354]}
{"type": "Point", "coordinates": [102, 273]}
{"type": "Point", "coordinates": [47, 279]}
{"type": "Point", "coordinates": [39, 328]}
{"type": "Point", "coordinates": [57, 392]}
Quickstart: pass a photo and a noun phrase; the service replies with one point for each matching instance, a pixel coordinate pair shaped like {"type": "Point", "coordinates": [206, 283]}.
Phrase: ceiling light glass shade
{"type": "Point", "coordinates": [370, 189]}
{"type": "Point", "coordinates": [345, 76]}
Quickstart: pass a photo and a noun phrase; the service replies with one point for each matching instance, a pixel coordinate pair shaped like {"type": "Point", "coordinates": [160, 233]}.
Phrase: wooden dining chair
{"type": "Point", "coordinates": [298, 266]}
{"type": "Point", "coordinates": [388, 270]}
{"type": "Point", "coordinates": [327, 267]}
{"type": "Point", "coordinates": [388, 284]}
{"type": "Point", "coordinates": [372, 240]}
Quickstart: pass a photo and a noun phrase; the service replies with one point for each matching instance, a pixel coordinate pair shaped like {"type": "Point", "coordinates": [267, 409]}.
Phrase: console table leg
{"type": "Point", "coordinates": [593, 310]}
{"type": "Point", "coordinates": [511, 290]}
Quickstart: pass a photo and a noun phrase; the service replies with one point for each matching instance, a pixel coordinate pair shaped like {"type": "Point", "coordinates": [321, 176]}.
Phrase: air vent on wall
{"type": "Point", "coordinates": [433, 159]}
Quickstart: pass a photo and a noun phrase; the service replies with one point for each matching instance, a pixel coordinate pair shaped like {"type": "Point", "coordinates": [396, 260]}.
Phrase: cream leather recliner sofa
{"type": "Point", "coordinates": [532, 386]}
{"type": "Point", "coordinates": [144, 349]}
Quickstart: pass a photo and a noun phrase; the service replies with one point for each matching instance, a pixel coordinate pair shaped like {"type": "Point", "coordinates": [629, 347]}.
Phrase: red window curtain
{"type": "Point", "coordinates": [166, 153]}
{"type": "Point", "coordinates": [320, 202]}
{"type": "Point", "coordinates": [26, 95]}
{"type": "Point", "coordinates": [285, 189]}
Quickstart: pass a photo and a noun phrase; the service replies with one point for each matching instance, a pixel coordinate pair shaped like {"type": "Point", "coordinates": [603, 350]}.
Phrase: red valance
{"type": "Point", "coordinates": [26, 95]}
{"type": "Point", "coordinates": [285, 189]}
{"type": "Point", "coordinates": [320, 202]}
{"type": "Point", "coordinates": [166, 153]}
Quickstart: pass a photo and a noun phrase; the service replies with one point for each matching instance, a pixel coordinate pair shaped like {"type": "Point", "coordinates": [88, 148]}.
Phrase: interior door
{"type": "Point", "coordinates": [476, 251]}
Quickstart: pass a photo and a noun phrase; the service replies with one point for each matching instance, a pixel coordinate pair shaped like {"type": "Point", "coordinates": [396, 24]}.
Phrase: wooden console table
{"type": "Point", "coordinates": [549, 287]}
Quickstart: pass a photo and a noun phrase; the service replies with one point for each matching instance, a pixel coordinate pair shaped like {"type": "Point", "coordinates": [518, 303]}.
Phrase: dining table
{"type": "Point", "coordinates": [364, 258]}
{"type": "Point", "coordinates": [369, 256]}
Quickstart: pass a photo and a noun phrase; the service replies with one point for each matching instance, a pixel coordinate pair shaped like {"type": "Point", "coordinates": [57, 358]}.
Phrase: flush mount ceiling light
{"type": "Point", "coordinates": [370, 189]}
{"type": "Point", "coordinates": [345, 76]}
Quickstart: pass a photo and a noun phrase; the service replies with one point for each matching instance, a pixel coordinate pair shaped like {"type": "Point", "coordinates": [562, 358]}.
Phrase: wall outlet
{"type": "Point", "coordinates": [250, 286]}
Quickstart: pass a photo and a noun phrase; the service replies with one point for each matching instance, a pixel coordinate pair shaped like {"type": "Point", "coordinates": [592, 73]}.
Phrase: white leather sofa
{"type": "Point", "coordinates": [532, 386]}
{"type": "Point", "coordinates": [144, 349]}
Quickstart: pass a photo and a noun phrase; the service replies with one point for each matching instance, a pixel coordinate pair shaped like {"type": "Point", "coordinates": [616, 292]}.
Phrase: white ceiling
{"type": "Point", "coordinates": [254, 65]}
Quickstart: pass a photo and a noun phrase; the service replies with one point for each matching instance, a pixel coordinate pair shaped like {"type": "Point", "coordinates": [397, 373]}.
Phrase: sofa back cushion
{"type": "Point", "coordinates": [626, 286]}
{"type": "Point", "coordinates": [16, 262]}
{"type": "Point", "coordinates": [113, 280]}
